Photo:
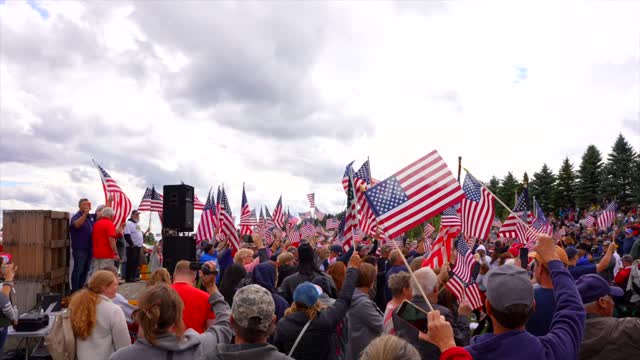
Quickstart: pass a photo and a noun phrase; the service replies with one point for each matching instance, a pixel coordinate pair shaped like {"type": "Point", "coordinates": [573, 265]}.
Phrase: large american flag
{"type": "Point", "coordinates": [278, 214]}
{"type": "Point", "coordinates": [350, 215]}
{"type": "Point", "coordinates": [121, 204]}
{"type": "Point", "coordinates": [441, 247]}
{"type": "Point", "coordinates": [477, 209]}
{"type": "Point", "coordinates": [450, 216]}
{"type": "Point", "coordinates": [151, 201]}
{"type": "Point", "coordinates": [606, 218]}
{"type": "Point", "coordinates": [414, 194]}
{"type": "Point", "coordinates": [332, 223]}
{"type": "Point", "coordinates": [207, 225]}
{"type": "Point", "coordinates": [508, 229]}
{"type": "Point", "coordinates": [246, 220]}
{"type": "Point", "coordinates": [312, 200]}
{"type": "Point", "coordinates": [461, 284]}
{"type": "Point", "coordinates": [227, 223]}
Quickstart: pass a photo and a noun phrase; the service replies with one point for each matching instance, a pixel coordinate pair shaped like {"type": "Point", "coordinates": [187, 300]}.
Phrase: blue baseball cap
{"type": "Point", "coordinates": [592, 287]}
{"type": "Point", "coordinates": [306, 293]}
{"type": "Point", "coordinates": [571, 251]}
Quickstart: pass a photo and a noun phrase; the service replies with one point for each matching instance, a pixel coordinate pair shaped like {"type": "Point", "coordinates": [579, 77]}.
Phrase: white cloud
{"type": "Point", "coordinates": [282, 97]}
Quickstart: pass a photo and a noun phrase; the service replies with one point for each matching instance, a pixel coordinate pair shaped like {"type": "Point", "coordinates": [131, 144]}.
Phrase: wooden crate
{"type": "Point", "coordinates": [38, 240]}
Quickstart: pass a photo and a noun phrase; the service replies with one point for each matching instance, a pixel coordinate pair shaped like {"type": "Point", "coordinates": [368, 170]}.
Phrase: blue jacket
{"type": "Point", "coordinates": [563, 339]}
{"type": "Point", "coordinates": [264, 274]}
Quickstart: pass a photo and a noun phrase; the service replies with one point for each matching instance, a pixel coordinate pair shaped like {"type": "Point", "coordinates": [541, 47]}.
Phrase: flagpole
{"type": "Point", "coordinates": [497, 198]}
{"type": "Point", "coordinates": [459, 167]}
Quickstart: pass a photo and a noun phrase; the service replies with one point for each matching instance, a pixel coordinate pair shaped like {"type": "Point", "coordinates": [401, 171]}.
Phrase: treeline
{"type": "Point", "coordinates": [595, 181]}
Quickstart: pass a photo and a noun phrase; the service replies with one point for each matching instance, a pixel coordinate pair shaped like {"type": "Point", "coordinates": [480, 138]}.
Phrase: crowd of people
{"type": "Point", "coordinates": [577, 295]}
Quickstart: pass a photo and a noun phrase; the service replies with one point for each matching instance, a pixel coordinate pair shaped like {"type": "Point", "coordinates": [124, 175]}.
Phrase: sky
{"type": "Point", "coordinates": [282, 95]}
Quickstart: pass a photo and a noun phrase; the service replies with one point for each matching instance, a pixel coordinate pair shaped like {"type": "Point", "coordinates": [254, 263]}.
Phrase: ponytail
{"type": "Point", "coordinates": [83, 303]}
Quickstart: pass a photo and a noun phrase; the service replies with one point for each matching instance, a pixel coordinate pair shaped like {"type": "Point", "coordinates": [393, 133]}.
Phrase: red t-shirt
{"type": "Point", "coordinates": [196, 307]}
{"type": "Point", "coordinates": [103, 229]}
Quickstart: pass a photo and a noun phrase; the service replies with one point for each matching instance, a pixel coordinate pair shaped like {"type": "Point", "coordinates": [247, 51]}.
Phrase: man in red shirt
{"type": "Point", "coordinates": [197, 313]}
{"type": "Point", "coordinates": [104, 241]}
{"type": "Point", "coordinates": [622, 277]}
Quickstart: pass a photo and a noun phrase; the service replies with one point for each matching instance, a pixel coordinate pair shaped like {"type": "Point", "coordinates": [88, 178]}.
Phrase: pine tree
{"type": "Point", "coordinates": [565, 186]}
{"type": "Point", "coordinates": [494, 185]}
{"type": "Point", "coordinates": [506, 192]}
{"type": "Point", "coordinates": [589, 178]}
{"type": "Point", "coordinates": [635, 184]}
{"type": "Point", "coordinates": [542, 187]}
{"type": "Point", "coordinates": [619, 171]}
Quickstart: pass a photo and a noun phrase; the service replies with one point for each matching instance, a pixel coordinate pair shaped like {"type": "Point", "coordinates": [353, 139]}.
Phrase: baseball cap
{"type": "Point", "coordinates": [253, 307]}
{"type": "Point", "coordinates": [571, 251]}
{"type": "Point", "coordinates": [592, 287]}
{"type": "Point", "coordinates": [135, 212]}
{"type": "Point", "coordinates": [562, 255]}
{"type": "Point", "coordinates": [508, 285]}
{"type": "Point", "coordinates": [628, 231]}
{"type": "Point", "coordinates": [306, 293]}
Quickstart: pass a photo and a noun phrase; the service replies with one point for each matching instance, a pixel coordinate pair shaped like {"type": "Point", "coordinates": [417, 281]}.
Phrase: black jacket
{"type": "Point", "coordinates": [290, 283]}
{"type": "Point", "coordinates": [316, 341]}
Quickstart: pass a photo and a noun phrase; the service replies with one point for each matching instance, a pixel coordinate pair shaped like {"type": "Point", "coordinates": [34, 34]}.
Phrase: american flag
{"type": "Point", "coordinates": [527, 235]}
{"type": "Point", "coordinates": [305, 215]}
{"type": "Point", "coordinates": [496, 223]}
{"type": "Point", "coordinates": [450, 217]}
{"type": "Point", "coordinates": [294, 236]}
{"type": "Point", "coordinates": [312, 200]}
{"type": "Point", "coordinates": [307, 231]}
{"type": "Point", "coordinates": [461, 284]}
{"type": "Point", "coordinates": [197, 204]}
{"type": "Point", "coordinates": [278, 214]}
{"type": "Point", "coordinates": [428, 230]}
{"type": "Point", "coordinates": [357, 235]}
{"type": "Point", "coordinates": [540, 221]}
{"type": "Point", "coordinates": [350, 214]}
{"type": "Point", "coordinates": [508, 229]}
{"type": "Point", "coordinates": [219, 210]}
{"type": "Point", "coordinates": [121, 204]}
{"type": "Point", "coordinates": [151, 201]}
{"type": "Point", "coordinates": [362, 181]}
{"type": "Point", "coordinates": [227, 224]}
{"type": "Point", "coordinates": [441, 247]}
{"type": "Point", "coordinates": [414, 194]}
{"type": "Point", "coordinates": [427, 246]}
{"type": "Point", "coordinates": [589, 220]}
{"type": "Point", "coordinates": [206, 228]}
{"type": "Point", "coordinates": [319, 214]}
{"type": "Point", "coordinates": [606, 218]}
{"type": "Point", "coordinates": [477, 209]}
{"type": "Point", "coordinates": [246, 220]}
{"type": "Point", "coordinates": [292, 220]}
{"type": "Point", "coordinates": [332, 223]}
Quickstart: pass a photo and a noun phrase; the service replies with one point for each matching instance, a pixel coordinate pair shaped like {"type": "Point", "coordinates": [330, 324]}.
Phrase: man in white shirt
{"type": "Point", "coordinates": [134, 237]}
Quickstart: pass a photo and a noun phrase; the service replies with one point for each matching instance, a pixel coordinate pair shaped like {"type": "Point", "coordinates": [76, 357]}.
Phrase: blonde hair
{"type": "Point", "coordinates": [159, 276]}
{"type": "Point", "coordinates": [241, 254]}
{"type": "Point", "coordinates": [311, 312]}
{"type": "Point", "coordinates": [389, 347]}
{"type": "Point", "coordinates": [159, 308]}
{"type": "Point", "coordinates": [323, 253]}
{"type": "Point", "coordinates": [284, 258]}
{"type": "Point", "coordinates": [83, 303]}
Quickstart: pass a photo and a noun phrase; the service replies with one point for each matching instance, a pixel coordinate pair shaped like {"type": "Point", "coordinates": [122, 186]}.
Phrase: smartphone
{"type": "Point", "coordinates": [195, 266]}
{"type": "Point", "coordinates": [413, 315]}
{"type": "Point", "coordinates": [524, 257]}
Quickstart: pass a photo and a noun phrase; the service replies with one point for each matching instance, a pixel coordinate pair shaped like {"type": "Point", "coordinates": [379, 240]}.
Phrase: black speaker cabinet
{"type": "Point", "coordinates": [176, 248]}
{"type": "Point", "coordinates": [178, 207]}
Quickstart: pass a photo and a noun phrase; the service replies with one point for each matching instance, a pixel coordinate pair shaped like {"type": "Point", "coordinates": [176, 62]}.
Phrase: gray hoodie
{"type": "Point", "coordinates": [365, 323]}
{"type": "Point", "coordinates": [191, 346]}
{"type": "Point", "coordinates": [245, 352]}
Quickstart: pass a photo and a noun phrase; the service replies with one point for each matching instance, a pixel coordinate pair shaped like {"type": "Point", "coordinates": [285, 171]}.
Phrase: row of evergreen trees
{"type": "Point", "coordinates": [593, 182]}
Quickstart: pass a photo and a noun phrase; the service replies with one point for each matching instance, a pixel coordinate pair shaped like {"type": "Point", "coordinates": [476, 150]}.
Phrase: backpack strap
{"type": "Point", "coordinates": [295, 344]}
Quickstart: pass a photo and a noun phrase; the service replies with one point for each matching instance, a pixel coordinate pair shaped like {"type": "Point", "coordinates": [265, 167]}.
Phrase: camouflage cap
{"type": "Point", "coordinates": [253, 301]}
